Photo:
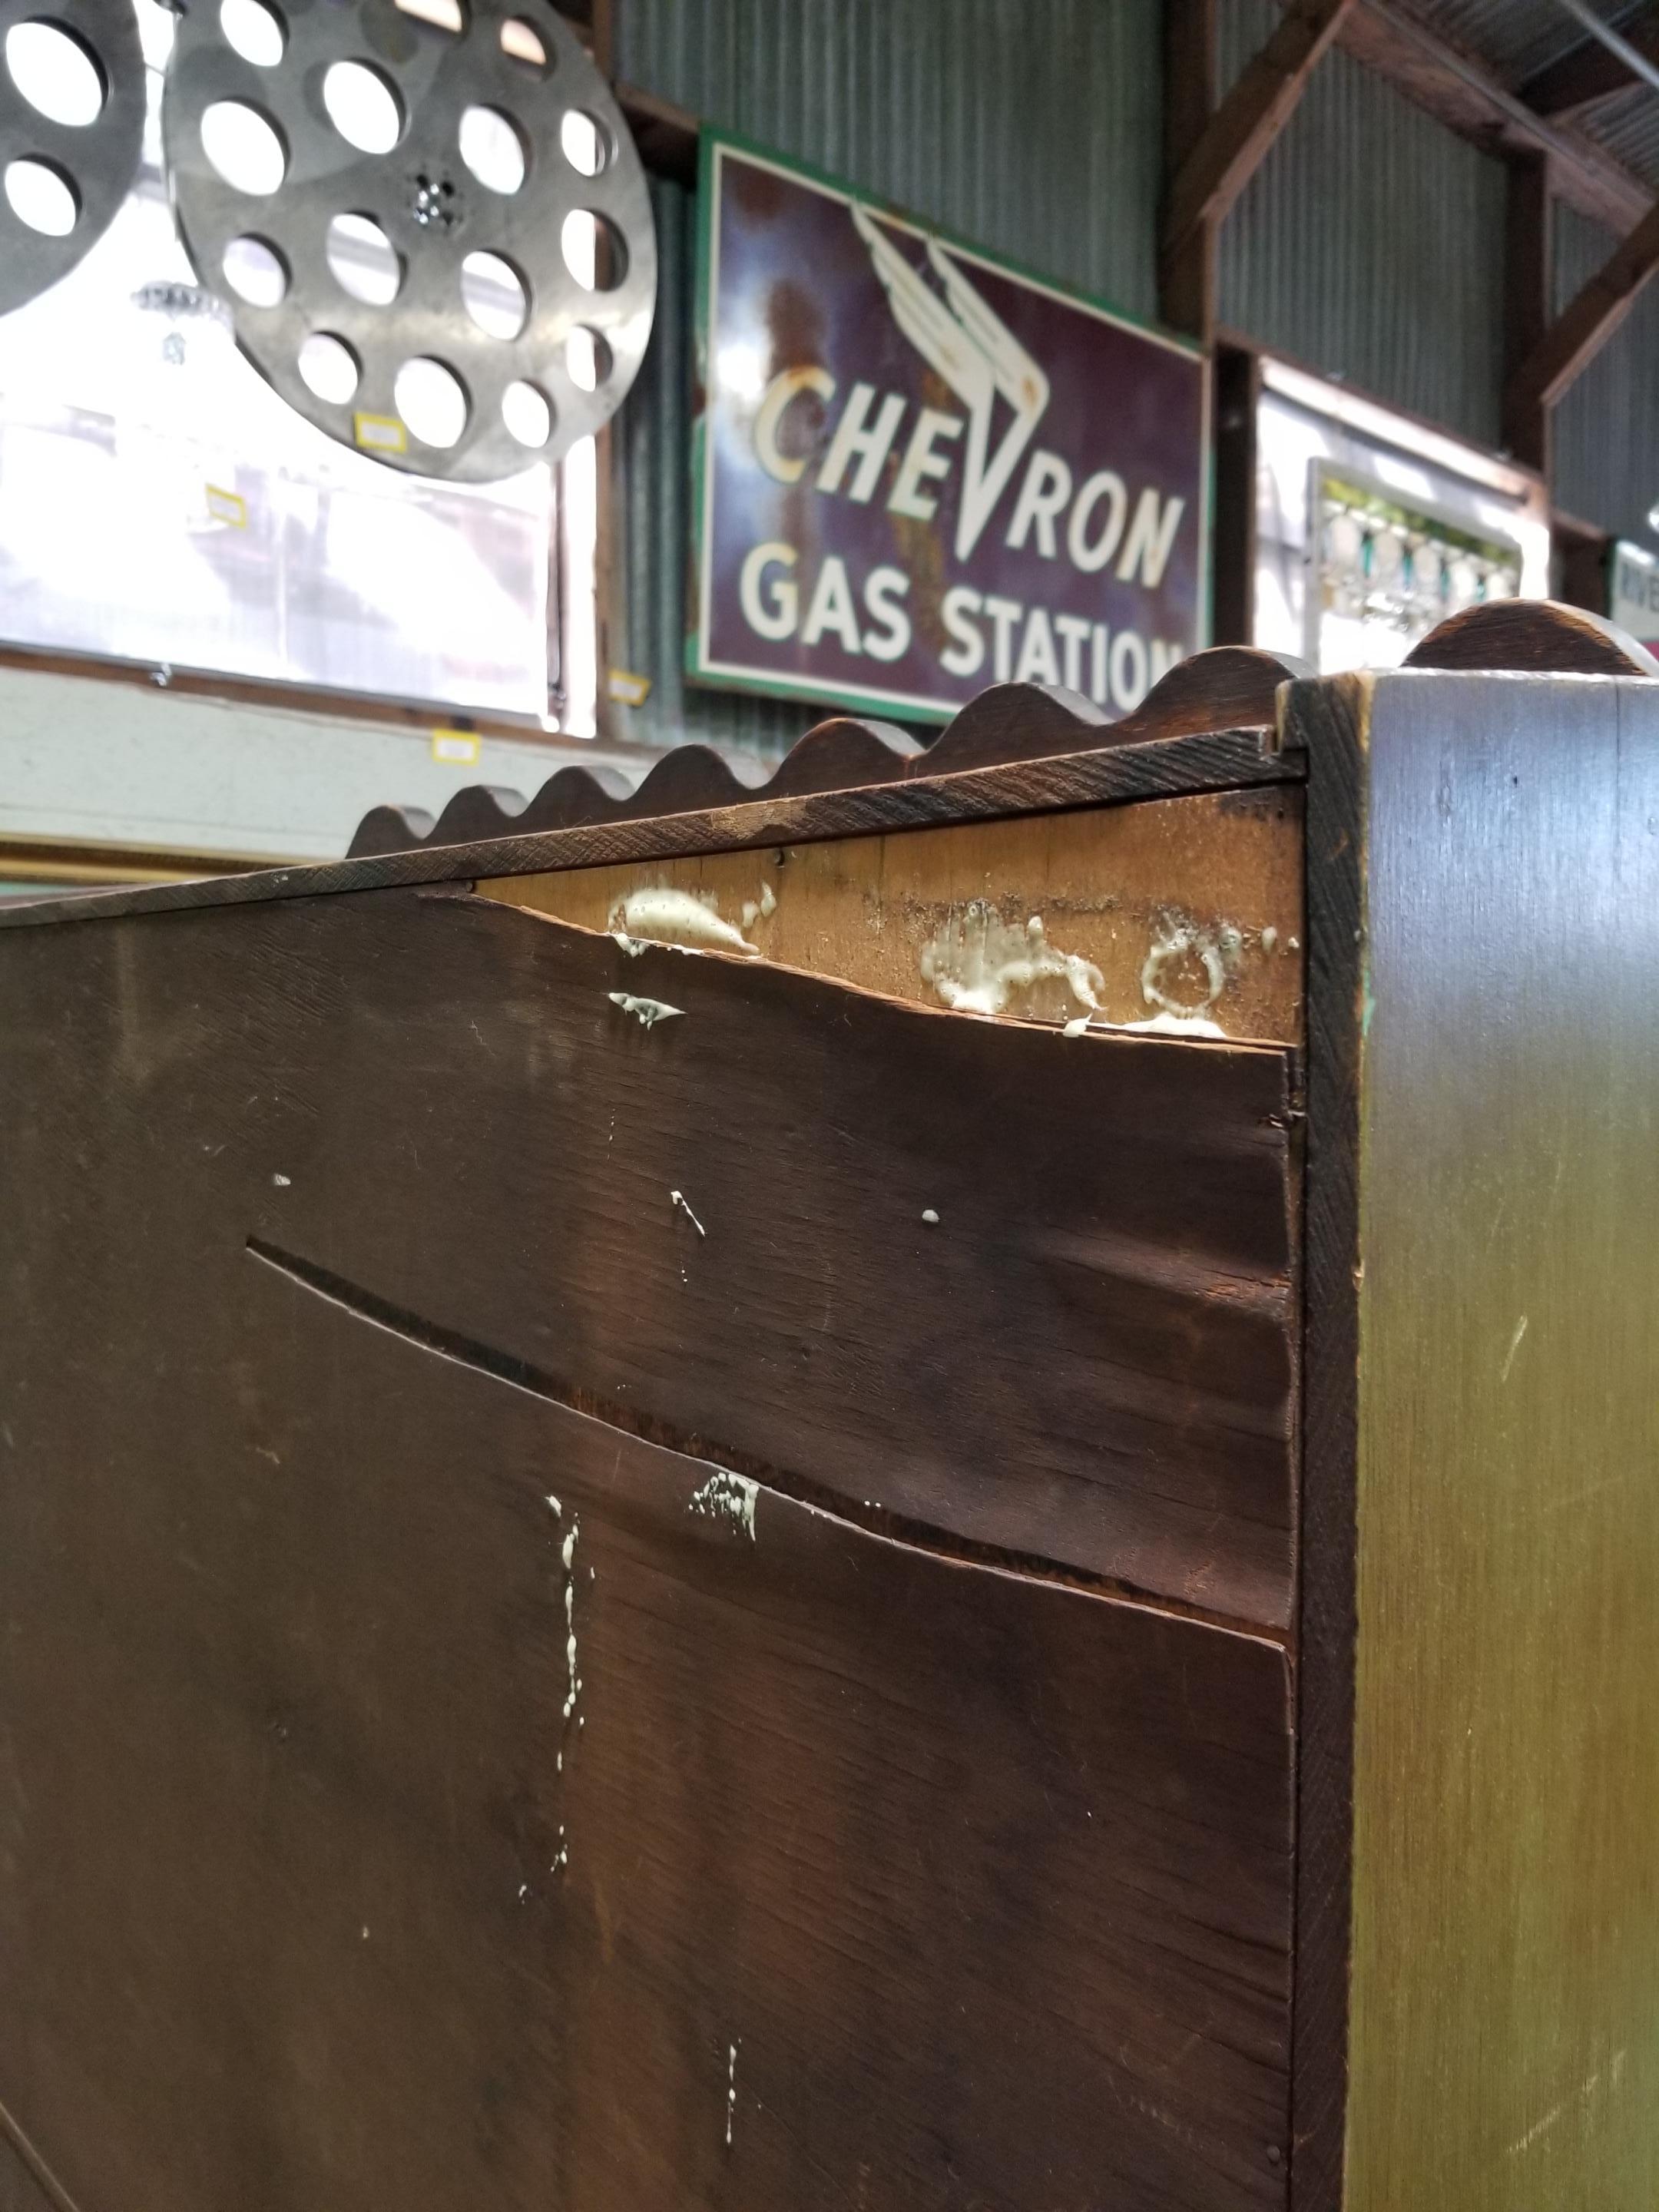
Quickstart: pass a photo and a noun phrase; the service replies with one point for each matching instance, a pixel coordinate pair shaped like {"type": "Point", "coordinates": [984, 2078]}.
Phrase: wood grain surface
{"type": "Point", "coordinates": [938, 1884]}
{"type": "Point", "coordinates": [1194, 903]}
{"type": "Point", "coordinates": [1230, 759]}
{"type": "Point", "coordinates": [1086, 1361]}
{"type": "Point", "coordinates": [1505, 1948]}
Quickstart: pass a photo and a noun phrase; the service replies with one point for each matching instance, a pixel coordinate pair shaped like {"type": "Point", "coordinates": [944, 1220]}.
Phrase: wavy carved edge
{"type": "Point", "coordinates": [1230, 687]}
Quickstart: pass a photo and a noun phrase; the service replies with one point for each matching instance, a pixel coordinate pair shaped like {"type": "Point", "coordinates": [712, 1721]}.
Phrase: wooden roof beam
{"type": "Point", "coordinates": [1249, 118]}
{"type": "Point", "coordinates": [1590, 72]}
{"type": "Point", "coordinates": [1579, 333]}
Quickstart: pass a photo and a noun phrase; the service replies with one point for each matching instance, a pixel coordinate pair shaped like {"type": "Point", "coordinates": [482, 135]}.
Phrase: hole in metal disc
{"type": "Point", "coordinates": [254, 31]}
{"type": "Point", "coordinates": [42, 198]}
{"type": "Point", "coordinates": [494, 294]}
{"type": "Point", "coordinates": [493, 150]}
{"type": "Point", "coordinates": [363, 260]}
{"type": "Point", "coordinates": [432, 402]}
{"type": "Point", "coordinates": [243, 147]}
{"type": "Point", "coordinates": [585, 143]}
{"type": "Point", "coordinates": [522, 42]}
{"type": "Point", "coordinates": [442, 14]}
{"type": "Point", "coordinates": [527, 414]}
{"type": "Point", "coordinates": [328, 368]}
{"type": "Point", "coordinates": [362, 108]}
{"type": "Point", "coordinates": [586, 359]}
{"type": "Point", "coordinates": [256, 272]}
{"type": "Point", "coordinates": [55, 73]}
{"type": "Point", "coordinates": [593, 251]}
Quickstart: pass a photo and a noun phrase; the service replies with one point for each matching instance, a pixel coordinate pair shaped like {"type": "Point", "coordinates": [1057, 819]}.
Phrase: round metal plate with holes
{"type": "Point", "coordinates": [72, 132]}
{"type": "Point", "coordinates": [432, 228]}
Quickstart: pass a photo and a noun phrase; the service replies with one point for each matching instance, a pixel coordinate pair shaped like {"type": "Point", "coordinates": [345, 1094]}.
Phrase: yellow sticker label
{"type": "Point", "coordinates": [379, 433]}
{"type": "Point", "coordinates": [227, 506]}
{"type": "Point", "coordinates": [458, 745]}
{"type": "Point", "coordinates": [629, 690]}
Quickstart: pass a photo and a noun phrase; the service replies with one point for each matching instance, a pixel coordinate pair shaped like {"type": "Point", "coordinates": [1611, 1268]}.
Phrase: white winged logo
{"type": "Point", "coordinates": [974, 350]}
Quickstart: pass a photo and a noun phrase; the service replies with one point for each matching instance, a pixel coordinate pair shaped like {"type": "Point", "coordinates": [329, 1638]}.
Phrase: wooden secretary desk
{"type": "Point", "coordinates": [931, 1490]}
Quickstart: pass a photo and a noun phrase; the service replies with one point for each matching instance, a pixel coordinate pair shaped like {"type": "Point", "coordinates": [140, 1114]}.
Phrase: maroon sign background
{"type": "Point", "coordinates": [919, 472]}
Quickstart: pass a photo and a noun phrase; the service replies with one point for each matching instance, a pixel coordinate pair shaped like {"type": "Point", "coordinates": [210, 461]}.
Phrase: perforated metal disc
{"type": "Point", "coordinates": [97, 160]}
{"type": "Point", "coordinates": [432, 210]}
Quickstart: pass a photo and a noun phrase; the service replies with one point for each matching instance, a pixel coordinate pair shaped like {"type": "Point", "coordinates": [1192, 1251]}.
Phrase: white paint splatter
{"type": "Point", "coordinates": [1075, 1028]}
{"type": "Point", "coordinates": [282, 1182]}
{"type": "Point", "coordinates": [930, 1217]}
{"type": "Point", "coordinates": [678, 1198]}
{"type": "Point", "coordinates": [977, 963]}
{"type": "Point", "coordinates": [686, 921]}
{"type": "Point", "coordinates": [1166, 1024]}
{"type": "Point", "coordinates": [1269, 937]}
{"type": "Point", "coordinates": [1185, 941]}
{"type": "Point", "coordinates": [728, 1497]}
{"type": "Point", "coordinates": [731, 2091]}
{"type": "Point", "coordinates": [648, 1012]}
{"type": "Point", "coordinates": [553, 1503]}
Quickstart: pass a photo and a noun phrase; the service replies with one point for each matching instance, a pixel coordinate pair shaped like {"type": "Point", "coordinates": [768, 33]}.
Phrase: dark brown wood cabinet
{"type": "Point", "coordinates": [664, 1542]}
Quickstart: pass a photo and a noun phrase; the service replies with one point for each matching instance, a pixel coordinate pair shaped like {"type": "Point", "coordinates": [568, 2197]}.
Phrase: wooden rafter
{"type": "Point", "coordinates": [1590, 72]}
{"type": "Point", "coordinates": [1580, 332]}
{"type": "Point", "coordinates": [1250, 117]}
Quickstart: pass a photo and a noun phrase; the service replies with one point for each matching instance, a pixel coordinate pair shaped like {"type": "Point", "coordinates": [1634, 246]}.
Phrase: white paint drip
{"type": "Point", "coordinates": [769, 902]}
{"type": "Point", "coordinates": [731, 2090]}
{"type": "Point", "coordinates": [568, 1553]}
{"type": "Point", "coordinates": [1076, 1028]}
{"type": "Point", "coordinates": [1168, 1025]}
{"type": "Point", "coordinates": [930, 1217]}
{"type": "Point", "coordinates": [648, 1012]}
{"type": "Point", "coordinates": [678, 1198]}
{"type": "Point", "coordinates": [553, 1503]}
{"type": "Point", "coordinates": [728, 1497]}
{"type": "Point", "coordinates": [687, 921]}
{"type": "Point", "coordinates": [1269, 937]}
{"type": "Point", "coordinates": [282, 1182]}
{"type": "Point", "coordinates": [1514, 1347]}
{"type": "Point", "coordinates": [978, 963]}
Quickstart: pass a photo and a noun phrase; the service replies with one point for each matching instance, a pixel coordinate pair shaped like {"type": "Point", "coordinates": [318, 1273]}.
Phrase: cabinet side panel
{"type": "Point", "coordinates": [1504, 2035]}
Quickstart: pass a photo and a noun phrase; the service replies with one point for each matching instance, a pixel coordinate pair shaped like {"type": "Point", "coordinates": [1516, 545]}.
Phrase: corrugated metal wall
{"type": "Point", "coordinates": [1030, 127]}
{"type": "Point", "coordinates": [1369, 244]}
{"type": "Point", "coordinates": [1607, 426]}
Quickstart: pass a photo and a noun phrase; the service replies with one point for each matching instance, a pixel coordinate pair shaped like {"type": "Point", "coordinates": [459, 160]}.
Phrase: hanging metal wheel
{"type": "Point", "coordinates": [72, 132]}
{"type": "Point", "coordinates": [433, 231]}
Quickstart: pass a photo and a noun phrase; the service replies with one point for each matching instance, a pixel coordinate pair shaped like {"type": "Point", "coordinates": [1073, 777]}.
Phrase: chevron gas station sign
{"type": "Point", "coordinates": [919, 471]}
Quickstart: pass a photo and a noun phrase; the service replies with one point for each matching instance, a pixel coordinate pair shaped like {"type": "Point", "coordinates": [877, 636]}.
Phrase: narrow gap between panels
{"type": "Point", "coordinates": [519, 1374]}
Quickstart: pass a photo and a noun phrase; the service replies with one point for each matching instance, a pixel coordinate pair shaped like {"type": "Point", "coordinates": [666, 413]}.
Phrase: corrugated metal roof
{"type": "Point", "coordinates": [1516, 39]}
{"type": "Point", "coordinates": [1369, 243]}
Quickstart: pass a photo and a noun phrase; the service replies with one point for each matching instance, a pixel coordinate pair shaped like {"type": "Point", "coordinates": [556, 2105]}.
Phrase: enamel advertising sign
{"type": "Point", "coordinates": [919, 472]}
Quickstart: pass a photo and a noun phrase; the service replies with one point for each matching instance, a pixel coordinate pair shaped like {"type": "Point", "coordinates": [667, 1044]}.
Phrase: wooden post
{"type": "Point", "coordinates": [1187, 270]}
{"type": "Point", "coordinates": [1237, 396]}
{"type": "Point", "coordinates": [1527, 305]}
